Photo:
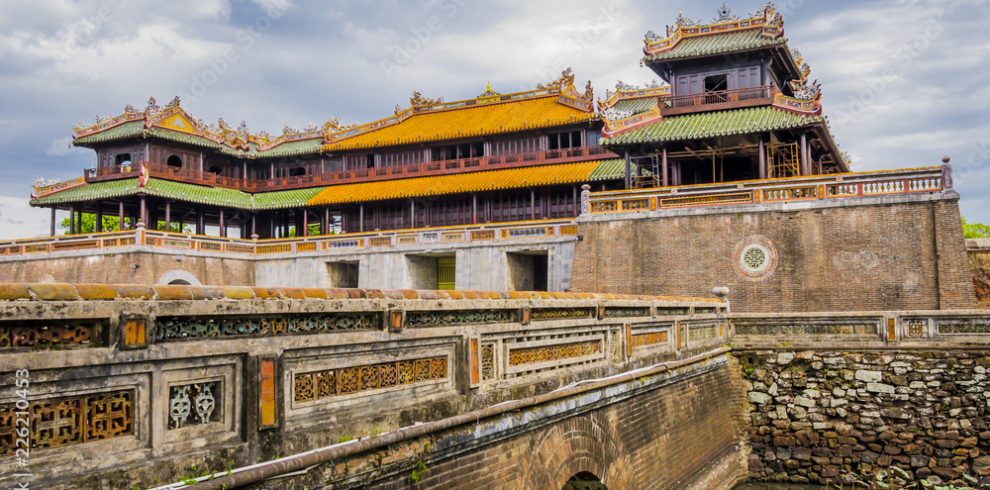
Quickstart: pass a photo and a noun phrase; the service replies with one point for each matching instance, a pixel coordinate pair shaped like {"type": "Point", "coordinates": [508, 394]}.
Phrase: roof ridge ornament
{"type": "Point", "coordinates": [563, 82]}
{"type": "Point", "coordinates": [152, 107]}
{"type": "Point", "coordinates": [725, 14]}
{"type": "Point", "coordinates": [417, 100]}
{"type": "Point", "coordinates": [488, 92]}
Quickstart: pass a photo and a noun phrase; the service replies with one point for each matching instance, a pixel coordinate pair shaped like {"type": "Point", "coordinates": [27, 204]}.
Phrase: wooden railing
{"type": "Point", "coordinates": [421, 169]}
{"type": "Point", "coordinates": [811, 188]}
{"type": "Point", "coordinates": [525, 230]}
{"type": "Point", "coordinates": [720, 100]}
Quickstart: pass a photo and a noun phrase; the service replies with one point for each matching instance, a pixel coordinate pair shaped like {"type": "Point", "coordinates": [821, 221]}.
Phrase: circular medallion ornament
{"type": "Point", "coordinates": [756, 258]}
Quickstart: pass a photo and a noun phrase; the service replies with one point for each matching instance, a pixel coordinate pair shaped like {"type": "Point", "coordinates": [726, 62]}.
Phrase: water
{"type": "Point", "coordinates": [778, 486]}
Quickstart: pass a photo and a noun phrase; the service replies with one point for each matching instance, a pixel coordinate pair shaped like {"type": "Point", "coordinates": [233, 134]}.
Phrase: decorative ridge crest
{"type": "Point", "coordinates": [174, 118]}
{"type": "Point", "coordinates": [562, 87]}
{"type": "Point", "coordinates": [768, 19]}
{"type": "Point", "coordinates": [625, 91]}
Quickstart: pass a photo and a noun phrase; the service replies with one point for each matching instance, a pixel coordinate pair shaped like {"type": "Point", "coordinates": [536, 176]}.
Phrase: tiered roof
{"type": "Point", "coordinates": [556, 103]}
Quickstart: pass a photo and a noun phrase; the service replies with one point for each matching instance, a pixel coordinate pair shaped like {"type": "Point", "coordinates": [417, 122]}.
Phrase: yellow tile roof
{"type": "Point", "coordinates": [465, 122]}
{"type": "Point", "coordinates": [510, 178]}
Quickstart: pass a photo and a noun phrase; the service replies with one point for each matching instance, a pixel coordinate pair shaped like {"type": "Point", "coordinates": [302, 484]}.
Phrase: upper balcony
{"type": "Point", "coordinates": [672, 105]}
{"type": "Point", "coordinates": [422, 169]}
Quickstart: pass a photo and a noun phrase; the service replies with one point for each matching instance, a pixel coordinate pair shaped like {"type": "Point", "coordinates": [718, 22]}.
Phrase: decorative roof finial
{"type": "Point", "coordinates": [152, 105]}
{"type": "Point", "coordinates": [725, 14]}
{"type": "Point", "coordinates": [488, 92]}
{"type": "Point", "coordinates": [417, 99]}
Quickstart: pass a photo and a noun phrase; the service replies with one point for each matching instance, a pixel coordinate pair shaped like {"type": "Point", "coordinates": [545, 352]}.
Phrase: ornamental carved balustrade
{"type": "Point", "coordinates": [152, 370]}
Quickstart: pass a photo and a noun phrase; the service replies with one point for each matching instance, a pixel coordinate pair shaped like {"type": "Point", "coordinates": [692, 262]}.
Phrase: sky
{"type": "Point", "coordinates": [905, 82]}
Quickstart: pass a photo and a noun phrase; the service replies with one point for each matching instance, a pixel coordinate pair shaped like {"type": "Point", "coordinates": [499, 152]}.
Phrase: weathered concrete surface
{"type": "Point", "coordinates": [481, 266]}
{"type": "Point", "coordinates": [889, 253]}
{"type": "Point", "coordinates": [822, 416]}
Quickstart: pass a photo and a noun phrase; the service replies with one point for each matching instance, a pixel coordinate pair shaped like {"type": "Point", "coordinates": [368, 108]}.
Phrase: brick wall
{"type": "Point", "coordinates": [129, 268]}
{"type": "Point", "coordinates": [888, 256]}
{"type": "Point", "coordinates": [980, 262]}
{"type": "Point", "coordinates": [685, 435]}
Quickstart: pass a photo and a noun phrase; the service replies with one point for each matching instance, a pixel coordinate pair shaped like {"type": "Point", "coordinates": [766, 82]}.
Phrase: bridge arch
{"type": "Point", "coordinates": [179, 277]}
{"type": "Point", "coordinates": [584, 481]}
{"type": "Point", "coordinates": [583, 445]}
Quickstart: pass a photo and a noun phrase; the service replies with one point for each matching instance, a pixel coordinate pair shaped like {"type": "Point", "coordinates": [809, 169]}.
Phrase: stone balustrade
{"type": "Point", "coordinates": [119, 376]}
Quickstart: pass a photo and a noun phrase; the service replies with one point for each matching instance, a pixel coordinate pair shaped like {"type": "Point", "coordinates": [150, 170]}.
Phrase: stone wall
{"type": "Point", "coordinates": [979, 259]}
{"type": "Point", "coordinates": [821, 416]}
{"type": "Point", "coordinates": [890, 253]}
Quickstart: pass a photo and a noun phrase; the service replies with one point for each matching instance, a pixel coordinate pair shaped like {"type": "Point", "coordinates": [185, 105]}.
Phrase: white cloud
{"type": "Point", "coordinates": [18, 219]}
{"type": "Point", "coordinates": [60, 147]}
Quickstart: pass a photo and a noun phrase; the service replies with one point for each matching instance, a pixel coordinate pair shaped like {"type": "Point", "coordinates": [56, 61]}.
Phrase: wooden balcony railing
{"type": "Point", "coordinates": [720, 100]}
{"type": "Point", "coordinates": [422, 169]}
{"type": "Point", "coordinates": [809, 188]}
{"type": "Point", "coordinates": [523, 230]}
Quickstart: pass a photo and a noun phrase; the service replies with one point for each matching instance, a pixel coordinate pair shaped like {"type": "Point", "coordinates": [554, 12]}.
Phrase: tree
{"type": "Point", "coordinates": [975, 230]}
{"type": "Point", "coordinates": [111, 223]}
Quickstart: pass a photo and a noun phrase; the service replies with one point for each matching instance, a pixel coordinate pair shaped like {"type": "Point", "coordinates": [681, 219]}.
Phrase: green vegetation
{"type": "Point", "coordinates": [112, 223]}
{"type": "Point", "coordinates": [975, 230]}
{"type": "Point", "coordinates": [417, 472]}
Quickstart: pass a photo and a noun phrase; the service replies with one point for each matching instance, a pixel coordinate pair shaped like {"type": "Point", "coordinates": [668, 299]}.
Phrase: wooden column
{"type": "Point", "coordinates": [628, 171]}
{"type": "Point", "coordinates": [305, 223]}
{"type": "Point", "coordinates": [361, 217]}
{"type": "Point", "coordinates": [98, 224]}
{"type": "Point", "coordinates": [663, 168]}
{"type": "Point", "coordinates": [272, 172]}
{"type": "Point", "coordinates": [143, 214]}
{"type": "Point", "coordinates": [244, 175]}
{"type": "Point", "coordinates": [223, 225]}
{"type": "Point", "coordinates": [120, 216]}
{"type": "Point", "coordinates": [168, 216]}
{"type": "Point", "coordinates": [254, 225]}
{"type": "Point", "coordinates": [412, 213]}
{"type": "Point", "coordinates": [200, 223]}
{"type": "Point", "coordinates": [763, 159]}
{"type": "Point", "coordinates": [72, 220]}
{"type": "Point", "coordinates": [52, 231]}
{"type": "Point", "coordinates": [805, 165]}
{"type": "Point", "coordinates": [325, 226]}
{"type": "Point", "coordinates": [532, 204]}
{"type": "Point", "coordinates": [474, 209]}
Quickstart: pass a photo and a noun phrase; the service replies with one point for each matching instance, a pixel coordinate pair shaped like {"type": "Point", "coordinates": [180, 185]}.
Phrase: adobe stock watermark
{"type": "Point", "coordinates": [401, 53]}
{"type": "Point", "coordinates": [244, 39]}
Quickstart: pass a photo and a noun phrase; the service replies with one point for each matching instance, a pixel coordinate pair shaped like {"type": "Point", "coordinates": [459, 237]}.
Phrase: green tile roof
{"type": "Point", "coordinates": [90, 192]}
{"type": "Point", "coordinates": [133, 129]}
{"type": "Point", "coordinates": [713, 124]}
{"type": "Point", "coordinates": [293, 148]}
{"type": "Point", "coordinates": [612, 169]}
{"type": "Point", "coordinates": [181, 191]}
{"type": "Point", "coordinates": [636, 106]}
{"type": "Point", "coordinates": [202, 194]}
{"type": "Point", "coordinates": [285, 199]}
{"type": "Point", "coordinates": [179, 137]}
{"type": "Point", "coordinates": [712, 44]}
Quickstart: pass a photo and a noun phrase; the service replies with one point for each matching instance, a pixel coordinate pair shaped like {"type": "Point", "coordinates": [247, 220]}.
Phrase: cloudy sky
{"type": "Point", "coordinates": [905, 81]}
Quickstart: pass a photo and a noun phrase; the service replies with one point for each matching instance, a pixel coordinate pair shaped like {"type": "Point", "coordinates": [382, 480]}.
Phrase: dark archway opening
{"type": "Point", "coordinates": [123, 159]}
{"type": "Point", "coordinates": [174, 161]}
{"type": "Point", "coordinates": [179, 282]}
{"type": "Point", "coordinates": [215, 170]}
{"type": "Point", "coordinates": [584, 481]}
{"type": "Point", "coordinates": [297, 171]}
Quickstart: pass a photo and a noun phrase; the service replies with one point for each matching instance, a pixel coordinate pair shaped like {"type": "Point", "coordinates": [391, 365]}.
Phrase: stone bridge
{"type": "Point", "coordinates": [288, 388]}
{"type": "Point", "coordinates": [129, 385]}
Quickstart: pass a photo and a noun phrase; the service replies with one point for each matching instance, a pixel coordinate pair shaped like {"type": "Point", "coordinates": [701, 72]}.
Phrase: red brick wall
{"type": "Point", "coordinates": [883, 257]}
